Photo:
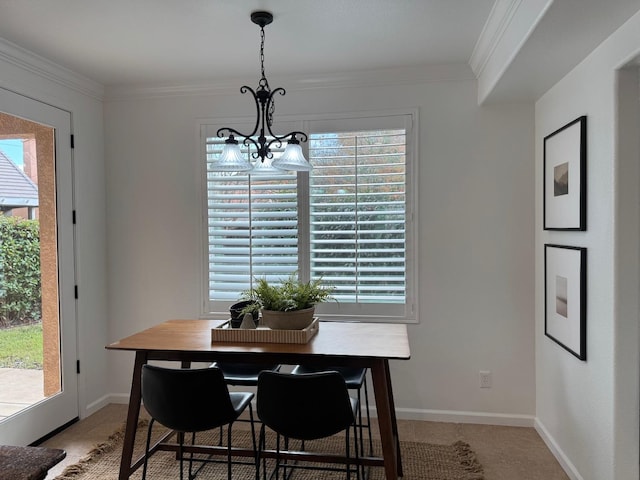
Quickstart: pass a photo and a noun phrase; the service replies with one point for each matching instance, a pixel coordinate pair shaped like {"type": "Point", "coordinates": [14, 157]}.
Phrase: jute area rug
{"type": "Point", "coordinates": [421, 461]}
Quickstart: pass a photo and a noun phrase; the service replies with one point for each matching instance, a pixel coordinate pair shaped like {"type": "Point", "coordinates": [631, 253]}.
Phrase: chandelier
{"type": "Point", "coordinates": [231, 159]}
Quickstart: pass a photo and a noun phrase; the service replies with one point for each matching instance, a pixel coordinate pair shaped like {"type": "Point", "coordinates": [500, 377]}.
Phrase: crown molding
{"type": "Point", "coordinates": [396, 76]}
{"type": "Point", "coordinates": [509, 27]}
{"type": "Point", "coordinates": [499, 19]}
{"type": "Point", "coordinates": [40, 66]}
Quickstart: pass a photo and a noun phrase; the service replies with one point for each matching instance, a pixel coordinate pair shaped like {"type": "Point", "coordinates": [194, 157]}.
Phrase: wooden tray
{"type": "Point", "coordinates": [224, 333]}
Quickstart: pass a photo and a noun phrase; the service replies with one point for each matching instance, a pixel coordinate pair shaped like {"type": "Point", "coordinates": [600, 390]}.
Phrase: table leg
{"type": "Point", "coordinates": [386, 419]}
{"type": "Point", "coordinates": [394, 421]}
{"type": "Point", "coordinates": [133, 414]}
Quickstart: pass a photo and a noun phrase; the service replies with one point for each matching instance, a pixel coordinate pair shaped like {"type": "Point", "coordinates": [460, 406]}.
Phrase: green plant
{"type": "Point", "coordinates": [21, 347]}
{"type": "Point", "coordinates": [20, 292]}
{"type": "Point", "coordinates": [291, 294]}
{"type": "Point", "coordinates": [253, 308]}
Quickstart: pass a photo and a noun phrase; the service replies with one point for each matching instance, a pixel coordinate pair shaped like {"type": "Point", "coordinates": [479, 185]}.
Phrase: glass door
{"type": "Point", "coordinates": [38, 380]}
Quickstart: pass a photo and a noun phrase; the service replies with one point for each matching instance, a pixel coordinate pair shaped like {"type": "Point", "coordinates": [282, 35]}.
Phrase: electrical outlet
{"type": "Point", "coordinates": [485, 379]}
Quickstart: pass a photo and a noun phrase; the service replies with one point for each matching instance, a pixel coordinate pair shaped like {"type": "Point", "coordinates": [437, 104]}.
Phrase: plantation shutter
{"type": "Point", "coordinates": [358, 216]}
{"type": "Point", "coordinates": [252, 226]}
{"type": "Point", "coordinates": [349, 221]}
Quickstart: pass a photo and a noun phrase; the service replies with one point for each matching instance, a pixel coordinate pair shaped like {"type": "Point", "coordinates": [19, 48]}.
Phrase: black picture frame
{"type": "Point", "coordinates": [565, 177]}
{"type": "Point", "coordinates": [565, 288]}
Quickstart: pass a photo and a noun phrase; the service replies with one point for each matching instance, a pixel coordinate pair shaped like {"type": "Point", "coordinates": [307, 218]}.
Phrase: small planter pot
{"type": "Point", "coordinates": [293, 320]}
{"type": "Point", "coordinates": [236, 313]}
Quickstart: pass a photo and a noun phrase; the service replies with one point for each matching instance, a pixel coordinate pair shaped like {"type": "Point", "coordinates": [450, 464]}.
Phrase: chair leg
{"type": "Point", "coordinates": [277, 456]}
{"type": "Point", "coordinates": [357, 442]}
{"type": "Point", "coordinates": [348, 454]}
{"type": "Point", "coordinates": [229, 452]}
{"type": "Point", "coordinates": [257, 457]}
{"type": "Point", "coordinates": [253, 432]}
{"type": "Point", "coordinates": [146, 450]}
{"type": "Point", "coordinates": [360, 422]}
{"type": "Point", "coordinates": [181, 453]}
{"type": "Point", "coordinates": [192, 475]}
{"type": "Point", "coordinates": [262, 444]}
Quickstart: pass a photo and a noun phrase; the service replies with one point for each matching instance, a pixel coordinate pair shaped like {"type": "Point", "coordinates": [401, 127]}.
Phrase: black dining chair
{"type": "Point", "coordinates": [305, 407]}
{"type": "Point", "coordinates": [190, 401]}
{"type": "Point", "coordinates": [356, 379]}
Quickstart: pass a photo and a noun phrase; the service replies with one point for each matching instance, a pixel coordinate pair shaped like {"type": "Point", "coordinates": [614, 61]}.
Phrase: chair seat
{"type": "Point", "coordinates": [240, 400]}
{"type": "Point", "coordinates": [244, 374]}
{"type": "Point", "coordinates": [353, 376]}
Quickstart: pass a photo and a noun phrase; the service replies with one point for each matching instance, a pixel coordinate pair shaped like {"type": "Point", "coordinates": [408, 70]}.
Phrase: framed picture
{"type": "Point", "coordinates": [565, 177]}
{"type": "Point", "coordinates": [565, 282]}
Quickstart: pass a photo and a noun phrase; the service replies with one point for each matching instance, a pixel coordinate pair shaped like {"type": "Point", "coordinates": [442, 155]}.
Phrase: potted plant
{"type": "Point", "coordinates": [290, 305]}
{"type": "Point", "coordinates": [239, 309]}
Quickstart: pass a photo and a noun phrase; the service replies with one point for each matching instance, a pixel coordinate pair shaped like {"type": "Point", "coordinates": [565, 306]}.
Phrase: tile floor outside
{"type": "Point", "coordinates": [19, 388]}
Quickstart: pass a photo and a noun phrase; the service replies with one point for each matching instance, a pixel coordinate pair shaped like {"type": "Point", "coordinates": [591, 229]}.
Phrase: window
{"type": "Point", "coordinates": [350, 220]}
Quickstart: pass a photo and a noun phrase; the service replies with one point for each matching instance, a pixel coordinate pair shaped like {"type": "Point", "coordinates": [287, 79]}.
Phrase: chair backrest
{"type": "Point", "coordinates": [245, 369]}
{"type": "Point", "coordinates": [306, 406]}
{"type": "Point", "coordinates": [187, 400]}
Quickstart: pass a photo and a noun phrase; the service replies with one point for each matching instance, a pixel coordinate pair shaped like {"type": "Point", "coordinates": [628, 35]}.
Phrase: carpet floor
{"type": "Point", "coordinates": [421, 461]}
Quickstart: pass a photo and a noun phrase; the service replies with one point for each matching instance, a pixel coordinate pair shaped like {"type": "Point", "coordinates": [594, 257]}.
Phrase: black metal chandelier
{"type": "Point", "coordinates": [231, 159]}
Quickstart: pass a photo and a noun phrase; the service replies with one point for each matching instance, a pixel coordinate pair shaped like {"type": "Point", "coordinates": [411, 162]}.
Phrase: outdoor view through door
{"type": "Point", "coordinates": [28, 265]}
{"type": "Point", "coordinates": [32, 384]}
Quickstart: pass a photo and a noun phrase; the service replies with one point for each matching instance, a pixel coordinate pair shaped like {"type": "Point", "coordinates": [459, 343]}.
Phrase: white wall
{"type": "Point", "coordinates": [476, 235]}
{"type": "Point", "coordinates": [588, 411]}
{"type": "Point", "coordinates": [36, 78]}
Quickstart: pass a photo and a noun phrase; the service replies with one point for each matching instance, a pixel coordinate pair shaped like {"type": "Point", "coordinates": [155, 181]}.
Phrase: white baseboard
{"type": "Point", "coordinates": [557, 452]}
{"type": "Point", "coordinates": [453, 416]}
{"type": "Point", "coordinates": [119, 398]}
{"type": "Point", "coordinates": [96, 405]}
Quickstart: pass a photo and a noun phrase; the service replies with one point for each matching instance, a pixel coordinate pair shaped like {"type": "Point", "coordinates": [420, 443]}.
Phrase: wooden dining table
{"type": "Point", "coordinates": [354, 344]}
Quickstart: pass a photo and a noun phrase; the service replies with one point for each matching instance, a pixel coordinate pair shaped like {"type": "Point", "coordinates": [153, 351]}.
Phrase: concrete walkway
{"type": "Point", "coordinates": [19, 388]}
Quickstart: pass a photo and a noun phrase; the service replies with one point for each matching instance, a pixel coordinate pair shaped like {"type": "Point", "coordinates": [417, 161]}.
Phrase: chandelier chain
{"type": "Point", "coordinates": [264, 77]}
{"type": "Point", "coordinates": [263, 81]}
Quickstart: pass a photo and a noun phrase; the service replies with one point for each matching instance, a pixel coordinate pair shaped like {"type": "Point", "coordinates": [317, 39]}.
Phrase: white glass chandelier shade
{"type": "Point", "coordinates": [231, 159]}
{"type": "Point", "coordinates": [264, 168]}
{"type": "Point", "coordinates": [292, 159]}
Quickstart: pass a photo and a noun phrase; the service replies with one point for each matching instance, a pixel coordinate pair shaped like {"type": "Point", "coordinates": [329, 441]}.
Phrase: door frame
{"type": "Point", "coordinates": [40, 419]}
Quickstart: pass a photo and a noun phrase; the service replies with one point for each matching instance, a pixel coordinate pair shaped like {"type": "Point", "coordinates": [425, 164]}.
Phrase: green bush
{"type": "Point", "coordinates": [20, 284]}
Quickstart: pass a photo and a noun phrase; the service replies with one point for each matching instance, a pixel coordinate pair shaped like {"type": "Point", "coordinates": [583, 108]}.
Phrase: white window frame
{"type": "Point", "coordinates": [343, 122]}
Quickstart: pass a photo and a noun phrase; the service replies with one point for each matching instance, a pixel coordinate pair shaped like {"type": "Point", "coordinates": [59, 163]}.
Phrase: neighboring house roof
{"type": "Point", "coordinates": [16, 189]}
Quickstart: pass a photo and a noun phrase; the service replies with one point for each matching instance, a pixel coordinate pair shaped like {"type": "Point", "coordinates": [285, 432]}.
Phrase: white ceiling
{"type": "Point", "coordinates": [516, 48]}
{"type": "Point", "coordinates": [117, 42]}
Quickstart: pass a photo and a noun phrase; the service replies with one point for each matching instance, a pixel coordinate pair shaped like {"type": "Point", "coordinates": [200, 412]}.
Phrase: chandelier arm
{"type": "Point", "coordinates": [303, 136]}
{"type": "Point", "coordinates": [269, 107]}
{"type": "Point", "coordinates": [248, 141]}
{"type": "Point", "coordinates": [244, 90]}
{"type": "Point", "coordinates": [280, 139]}
{"type": "Point", "coordinates": [232, 131]}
